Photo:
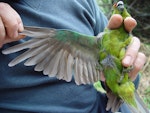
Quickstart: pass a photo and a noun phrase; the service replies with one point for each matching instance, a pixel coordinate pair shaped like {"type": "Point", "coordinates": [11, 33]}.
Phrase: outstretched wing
{"type": "Point", "coordinates": [59, 53]}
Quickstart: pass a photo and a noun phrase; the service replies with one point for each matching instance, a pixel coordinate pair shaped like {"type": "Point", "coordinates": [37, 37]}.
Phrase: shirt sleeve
{"type": "Point", "coordinates": [100, 19]}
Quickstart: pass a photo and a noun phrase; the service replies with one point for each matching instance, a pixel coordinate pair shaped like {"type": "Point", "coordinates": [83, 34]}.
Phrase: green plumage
{"type": "Point", "coordinates": [112, 51]}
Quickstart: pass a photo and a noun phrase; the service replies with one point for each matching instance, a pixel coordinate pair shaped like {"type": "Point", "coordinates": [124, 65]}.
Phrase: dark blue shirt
{"type": "Point", "coordinates": [22, 89]}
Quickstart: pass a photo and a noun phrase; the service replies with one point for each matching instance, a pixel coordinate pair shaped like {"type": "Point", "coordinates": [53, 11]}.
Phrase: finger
{"type": "Point", "coordinates": [138, 65]}
{"type": "Point", "coordinates": [131, 52]}
{"type": "Point", "coordinates": [19, 20]}
{"type": "Point", "coordinates": [7, 40]}
{"type": "Point", "coordinates": [115, 21]}
{"type": "Point", "coordinates": [10, 20]}
{"type": "Point", "coordinates": [2, 32]}
{"type": "Point", "coordinates": [129, 23]}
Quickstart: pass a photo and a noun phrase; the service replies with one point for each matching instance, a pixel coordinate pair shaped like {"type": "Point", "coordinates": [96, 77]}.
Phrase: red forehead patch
{"type": "Point", "coordinates": [115, 5]}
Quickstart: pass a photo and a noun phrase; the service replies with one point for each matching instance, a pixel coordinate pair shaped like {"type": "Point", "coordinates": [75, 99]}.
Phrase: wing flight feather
{"type": "Point", "coordinates": [58, 53]}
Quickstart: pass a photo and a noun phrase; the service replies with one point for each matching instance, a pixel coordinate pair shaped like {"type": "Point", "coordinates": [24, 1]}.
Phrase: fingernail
{"type": "Point", "coordinates": [127, 60]}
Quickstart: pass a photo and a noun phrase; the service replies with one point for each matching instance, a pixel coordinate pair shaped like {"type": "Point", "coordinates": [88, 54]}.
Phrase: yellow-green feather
{"type": "Point", "coordinates": [112, 51]}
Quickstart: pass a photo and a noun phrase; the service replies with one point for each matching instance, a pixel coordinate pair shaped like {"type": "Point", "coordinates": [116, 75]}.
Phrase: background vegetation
{"type": "Point", "coordinates": [140, 10]}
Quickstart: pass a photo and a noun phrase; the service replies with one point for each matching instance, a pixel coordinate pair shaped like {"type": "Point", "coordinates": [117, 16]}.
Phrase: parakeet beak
{"type": "Point", "coordinates": [120, 6]}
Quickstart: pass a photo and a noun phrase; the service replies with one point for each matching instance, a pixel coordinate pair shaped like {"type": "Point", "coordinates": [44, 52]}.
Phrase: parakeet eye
{"type": "Point", "coordinates": [120, 5]}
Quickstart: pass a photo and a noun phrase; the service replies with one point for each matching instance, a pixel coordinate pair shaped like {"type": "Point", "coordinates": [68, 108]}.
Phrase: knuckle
{"type": "Point", "coordinates": [11, 30]}
{"type": "Point", "coordinates": [14, 25]}
{"type": "Point", "coordinates": [3, 6]}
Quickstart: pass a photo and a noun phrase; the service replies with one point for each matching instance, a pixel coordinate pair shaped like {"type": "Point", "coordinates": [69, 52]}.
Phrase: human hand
{"type": "Point", "coordinates": [132, 57]}
{"type": "Point", "coordinates": [10, 24]}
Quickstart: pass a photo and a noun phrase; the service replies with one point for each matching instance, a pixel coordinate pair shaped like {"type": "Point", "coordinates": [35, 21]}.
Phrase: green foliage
{"type": "Point", "coordinates": [140, 11]}
{"type": "Point", "coordinates": [147, 97]}
{"type": "Point", "coordinates": [105, 6]}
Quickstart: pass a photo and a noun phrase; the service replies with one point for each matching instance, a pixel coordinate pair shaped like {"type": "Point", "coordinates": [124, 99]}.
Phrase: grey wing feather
{"type": "Point", "coordinates": [58, 58]}
{"type": "Point", "coordinates": [141, 107]}
{"type": "Point", "coordinates": [115, 102]}
{"type": "Point", "coordinates": [85, 72]}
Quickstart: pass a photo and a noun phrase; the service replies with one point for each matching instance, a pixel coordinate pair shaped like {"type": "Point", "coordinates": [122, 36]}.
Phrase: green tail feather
{"type": "Point", "coordinates": [98, 87]}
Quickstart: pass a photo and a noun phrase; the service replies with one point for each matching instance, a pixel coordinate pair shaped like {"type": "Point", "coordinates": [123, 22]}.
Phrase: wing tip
{"type": "Point", "coordinates": [5, 52]}
{"type": "Point", "coordinates": [11, 64]}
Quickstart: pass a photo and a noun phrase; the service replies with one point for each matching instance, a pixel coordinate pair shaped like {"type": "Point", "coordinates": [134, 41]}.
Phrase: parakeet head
{"type": "Point", "coordinates": [119, 8]}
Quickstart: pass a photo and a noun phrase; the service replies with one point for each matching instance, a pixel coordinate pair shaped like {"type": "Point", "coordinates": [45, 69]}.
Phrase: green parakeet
{"type": "Point", "coordinates": [59, 53]}
{"type": "Point", "coordinates": [112, 50]}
